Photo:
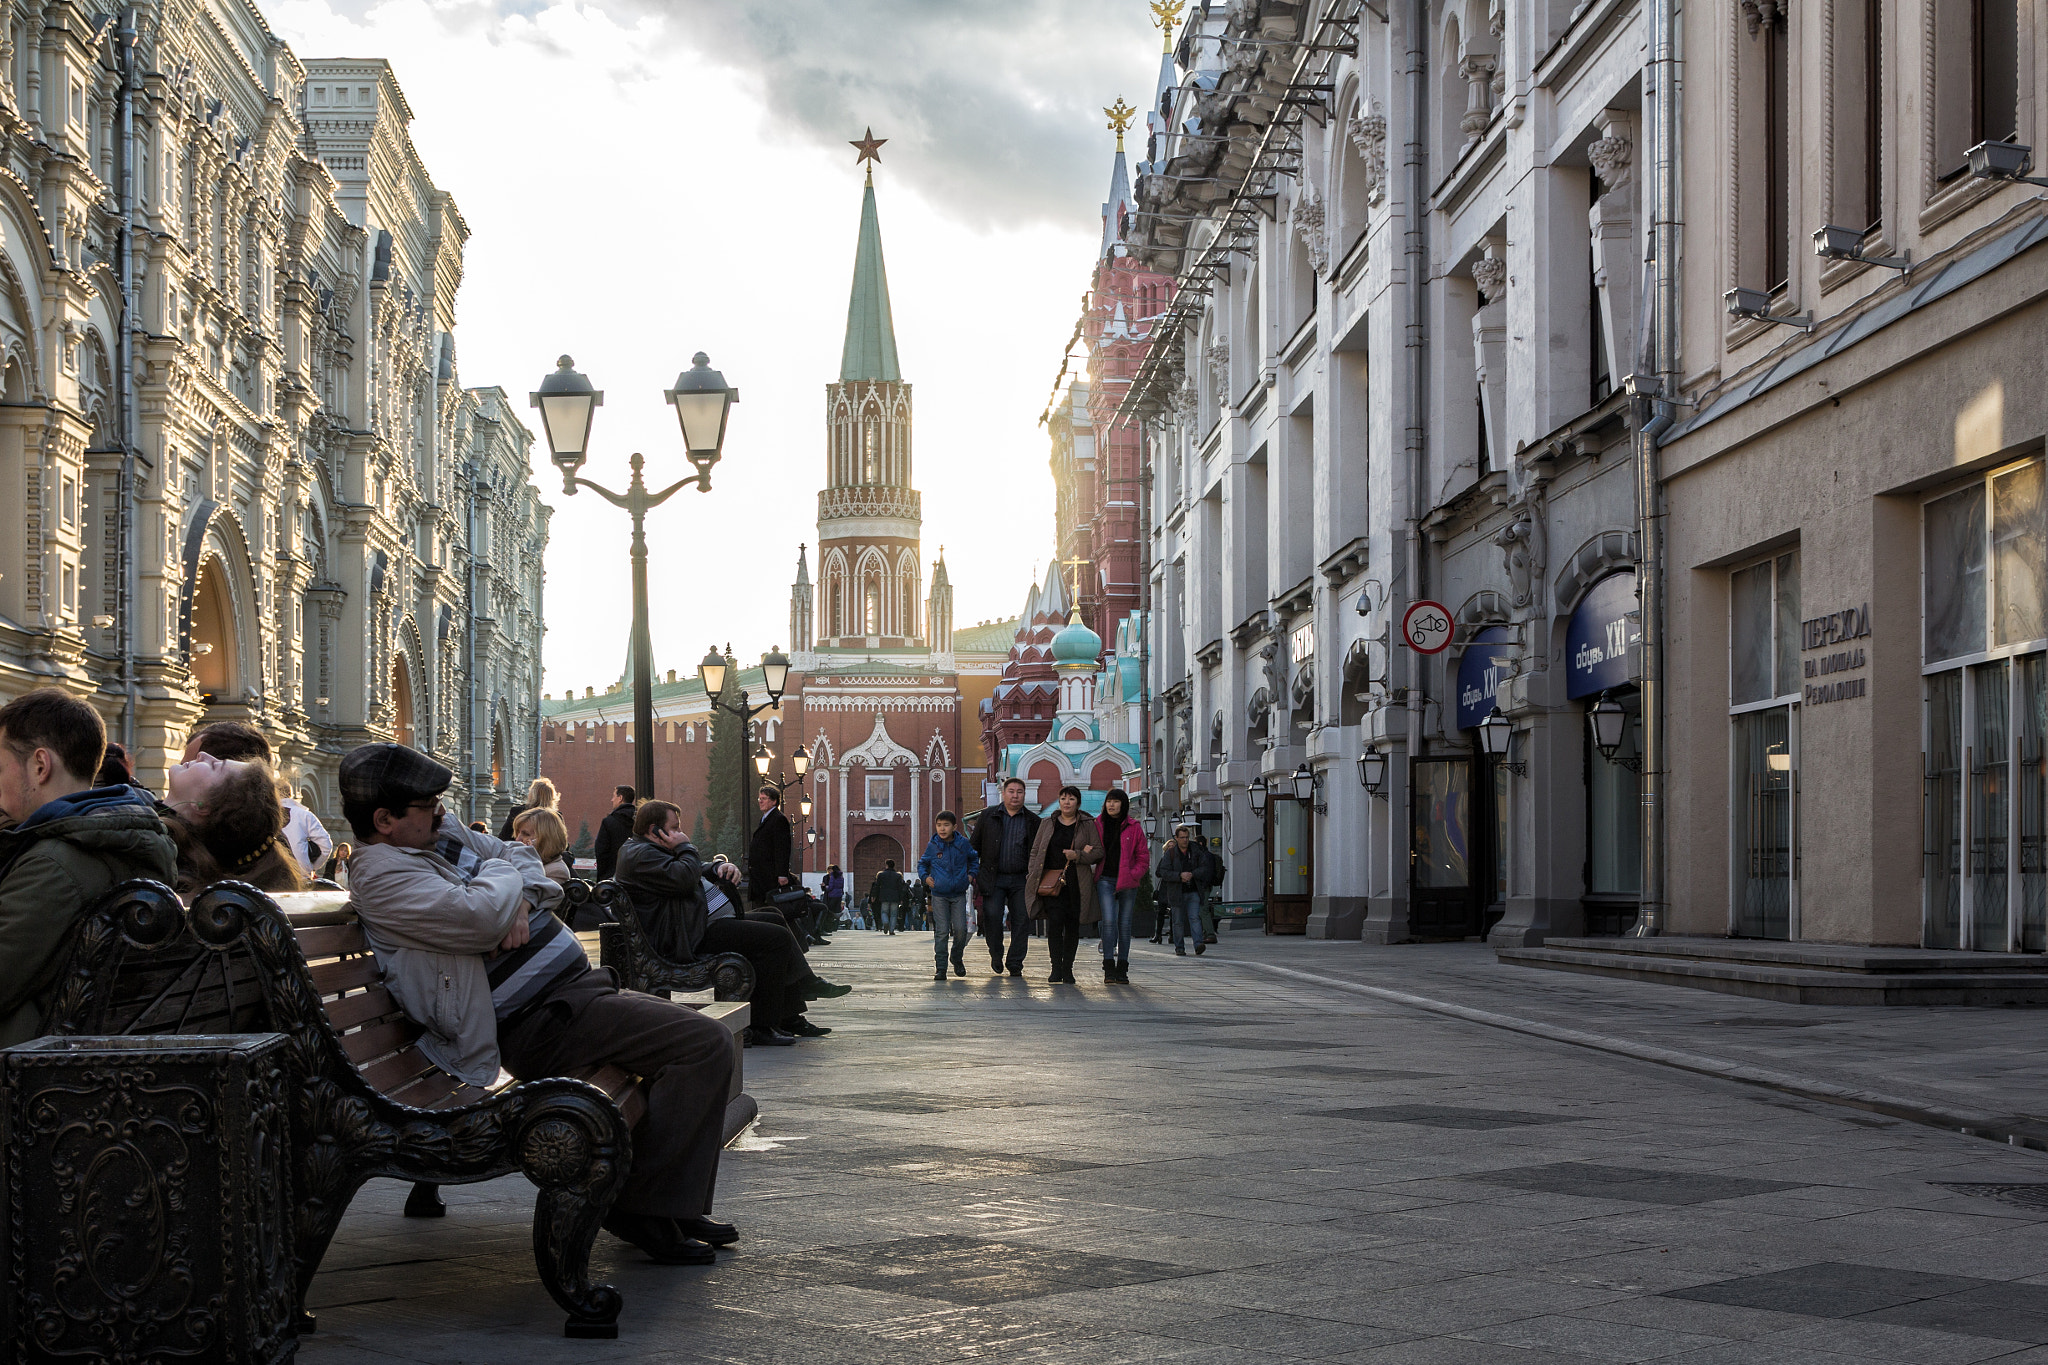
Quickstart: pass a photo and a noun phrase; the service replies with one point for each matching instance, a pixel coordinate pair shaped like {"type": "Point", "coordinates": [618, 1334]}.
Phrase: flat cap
{"type": "Point", "coordinates": [387, 773]}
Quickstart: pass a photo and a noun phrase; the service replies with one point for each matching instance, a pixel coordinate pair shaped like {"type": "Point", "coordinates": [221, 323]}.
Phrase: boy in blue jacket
{"type": "Point", "coordinates": [947, 869]}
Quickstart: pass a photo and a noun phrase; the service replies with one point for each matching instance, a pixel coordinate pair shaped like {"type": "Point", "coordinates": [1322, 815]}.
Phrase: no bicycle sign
{"type": "Point", "coordinates": [1427, 628]}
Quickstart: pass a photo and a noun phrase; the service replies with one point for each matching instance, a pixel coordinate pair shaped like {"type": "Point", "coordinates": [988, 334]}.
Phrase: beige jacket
{"type": "Point", "coordinates": [432, 922]}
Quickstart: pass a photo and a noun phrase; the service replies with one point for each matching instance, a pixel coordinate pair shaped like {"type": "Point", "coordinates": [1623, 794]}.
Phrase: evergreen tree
{"type": "Point", "coordinates": [726, 794]}
{"type": "Point", "coordinates": [697, 833]}
{"type": "Point", "coordinates": [585, 846]}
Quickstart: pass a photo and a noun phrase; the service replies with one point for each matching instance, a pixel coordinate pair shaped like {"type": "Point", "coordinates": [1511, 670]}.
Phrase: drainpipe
{"type": "Point", "coordinates": [1654, 416]}
{"type": "Point", "coordinates": [470, 477]}
{"type": "Point", "coordinates": [1416, 264]}
{"type": "Point", "coordinates": [129, 591]}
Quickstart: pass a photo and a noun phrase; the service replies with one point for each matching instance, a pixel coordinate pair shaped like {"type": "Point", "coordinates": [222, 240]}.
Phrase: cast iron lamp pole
{"type": "Point", "coordinates": [711, 671]}
{"type": "Point", "coordinates": [702, 400]}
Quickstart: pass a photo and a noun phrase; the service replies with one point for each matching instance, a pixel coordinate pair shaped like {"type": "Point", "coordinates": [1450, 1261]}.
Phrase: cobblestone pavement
{"type": "Point", "coordinates": [1221, 1164]}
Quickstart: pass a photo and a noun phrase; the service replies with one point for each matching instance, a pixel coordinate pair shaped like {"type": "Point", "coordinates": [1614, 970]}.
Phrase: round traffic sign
{"type": "Point", "coordinates": [1427, 628]}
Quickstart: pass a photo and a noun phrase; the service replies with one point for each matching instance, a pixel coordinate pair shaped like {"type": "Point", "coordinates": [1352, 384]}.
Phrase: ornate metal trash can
{"type": "Point", "coordinates": [145, 1200]}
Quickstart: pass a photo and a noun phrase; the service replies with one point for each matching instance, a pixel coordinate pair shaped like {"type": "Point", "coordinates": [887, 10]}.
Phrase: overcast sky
{"type": "Point", "coordinates": [643, 180]}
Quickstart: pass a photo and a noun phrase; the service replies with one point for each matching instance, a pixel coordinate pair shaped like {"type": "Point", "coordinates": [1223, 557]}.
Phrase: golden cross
{"type": "Point", "coordinates": [1120, 116]}
{"type": "Point", "coordinates": [1166, 13]}
{"type": "Point", "coordinates": [1074, 581]}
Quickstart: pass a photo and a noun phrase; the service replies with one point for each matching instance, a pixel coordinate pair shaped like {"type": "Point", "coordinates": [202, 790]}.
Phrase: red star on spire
{"type": "Point", "coordinates": [870, 147]}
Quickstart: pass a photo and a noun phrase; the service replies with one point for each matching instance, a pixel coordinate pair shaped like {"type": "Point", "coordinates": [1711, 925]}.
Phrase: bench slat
{"type": "Point", "coordinates": [624, 1088]}
{"type": "Point", "coordinates": [428, 1091]}
{"type": "Point", "coordinates": [375, 1040]}
{"type": "Point", "coordinates": [394, 1071]}
{"type": "Point", "coordinates": [345, 974]}
{"type": "Point", "coordinates": [347, 1011]}
{"type": "Point", "coordinates": [331, 940]}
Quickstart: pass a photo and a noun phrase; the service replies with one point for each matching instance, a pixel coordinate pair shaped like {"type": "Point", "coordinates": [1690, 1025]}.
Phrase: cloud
{"type": "Point", "coordinates": [993, 110]}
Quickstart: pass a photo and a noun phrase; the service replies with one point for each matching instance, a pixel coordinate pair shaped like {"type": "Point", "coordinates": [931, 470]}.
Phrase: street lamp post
{"type": "Point", "coordinates": [702, 400]}
{"type": "Point", "coordinates": [711, 671]}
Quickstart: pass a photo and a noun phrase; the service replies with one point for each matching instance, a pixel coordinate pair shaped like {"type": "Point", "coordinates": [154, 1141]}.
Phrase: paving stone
{"type": "Point", "coordinates": [983, 1172]}
{"type": "Point", "coordinates": [1634, 1184]}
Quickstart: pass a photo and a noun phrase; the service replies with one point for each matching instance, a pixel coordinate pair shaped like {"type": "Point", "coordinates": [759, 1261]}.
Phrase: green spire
{"type": "Point", "coordinates": [870, 331]}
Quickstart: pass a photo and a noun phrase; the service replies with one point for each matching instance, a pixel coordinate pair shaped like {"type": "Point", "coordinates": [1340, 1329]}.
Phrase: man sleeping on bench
{"type": "Point", "coordinates": [465, 932]}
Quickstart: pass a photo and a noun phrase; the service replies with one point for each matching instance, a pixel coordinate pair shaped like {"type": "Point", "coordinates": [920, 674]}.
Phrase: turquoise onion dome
{"type": "Point", "coordinates": [1076, 644]}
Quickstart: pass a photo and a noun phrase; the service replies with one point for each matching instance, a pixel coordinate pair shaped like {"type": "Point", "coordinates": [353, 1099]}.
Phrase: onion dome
{"type": "Point", "coordinates": [1076, 644]}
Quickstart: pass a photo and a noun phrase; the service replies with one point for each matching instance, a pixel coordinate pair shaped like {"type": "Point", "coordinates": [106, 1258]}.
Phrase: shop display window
{"type": "Point", "coordinates": [1985, 659]}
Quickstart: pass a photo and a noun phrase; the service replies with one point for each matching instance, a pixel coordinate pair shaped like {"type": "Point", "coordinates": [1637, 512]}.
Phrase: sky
{"type": "Point", "coordinates": [644, 180]}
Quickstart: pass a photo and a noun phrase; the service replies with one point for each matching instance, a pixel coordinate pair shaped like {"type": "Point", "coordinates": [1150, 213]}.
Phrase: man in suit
{"type": "Point", "coordinates": [768, 849]}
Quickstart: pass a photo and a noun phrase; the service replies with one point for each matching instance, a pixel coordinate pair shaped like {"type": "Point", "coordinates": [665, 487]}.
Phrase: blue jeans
{"type": "Point", "coordinates": [1117, 907]}
{"type": "Point", "coordinates": [1187, 917]}
{"type": "Point", "coordinates": [949, 920]}
{"type": "Point", "coordinates": [1006, 907]}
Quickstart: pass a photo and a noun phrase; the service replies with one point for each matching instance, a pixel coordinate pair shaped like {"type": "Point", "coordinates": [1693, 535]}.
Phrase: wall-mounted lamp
{"type": "Point", "coordinates": [1372, 773]}
{"type": "Point", "coordinates": [1609, 724]}
{"type": "Point", "coordinates": [1755, 305]}
{"type": "Point", "coordinates": [2008, 161]}
{"type": "Point", "coordinates": [1496, 733]}
{"type": "Point", "coordinates": [1258, 795]}
{"type": "Point", "coordinates": [1833, 243]}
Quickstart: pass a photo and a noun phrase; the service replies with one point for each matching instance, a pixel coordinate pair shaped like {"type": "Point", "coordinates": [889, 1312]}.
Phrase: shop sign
{"type": "Point", "coordinates": [1823, 632]}
{"type": "Point", "coordinates": [1481, 673]}
{"type": "Point", "coordinates": [1605, 633]}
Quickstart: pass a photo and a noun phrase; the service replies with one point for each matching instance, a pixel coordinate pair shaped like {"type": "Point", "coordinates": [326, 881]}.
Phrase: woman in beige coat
{"type": "Point", "coordinates": [1068, 841]}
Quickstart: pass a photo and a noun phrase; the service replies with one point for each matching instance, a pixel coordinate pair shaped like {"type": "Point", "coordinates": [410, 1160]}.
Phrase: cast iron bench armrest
{"type": "Point", "coordinates": [368, 1102]}
{"type": "Point", "coordinates": [624, 947]}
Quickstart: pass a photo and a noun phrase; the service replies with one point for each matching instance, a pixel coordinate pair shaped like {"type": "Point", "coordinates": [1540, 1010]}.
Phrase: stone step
{"type": "Point", "coordinates": [1832, 957]}
{"type": "Point", "coordinates": [1791, 983]}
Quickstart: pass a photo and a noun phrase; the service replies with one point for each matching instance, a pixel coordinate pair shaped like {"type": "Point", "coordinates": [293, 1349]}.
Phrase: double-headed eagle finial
{"type": "Point", "coordinates": [1120, 116]}
{"type": "Point", "coordinates": [1166, 13]}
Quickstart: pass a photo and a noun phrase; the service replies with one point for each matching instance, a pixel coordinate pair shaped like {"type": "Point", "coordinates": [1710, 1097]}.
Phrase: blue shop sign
{"type": "Point", "coordinates": [1480, 673]}
{"type": "Point", "coordinates": [1606, 631]}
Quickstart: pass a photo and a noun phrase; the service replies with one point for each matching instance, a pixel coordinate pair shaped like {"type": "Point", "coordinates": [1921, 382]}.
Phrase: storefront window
{"type": "Point", "coordinates": [1985, 788]}
{"type": "Point", "coordinates": [1763, 695]}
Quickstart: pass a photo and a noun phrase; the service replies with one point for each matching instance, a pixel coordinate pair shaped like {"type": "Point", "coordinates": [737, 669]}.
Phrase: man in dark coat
{"type": "Point", "coordinates": [768, 849]}
{"type": "Point", "coordinates": [614, 830]}
{"type": "Point", "coordinates": [1002, 839]}
{"type": "Point", "coordinates": [68, 843]}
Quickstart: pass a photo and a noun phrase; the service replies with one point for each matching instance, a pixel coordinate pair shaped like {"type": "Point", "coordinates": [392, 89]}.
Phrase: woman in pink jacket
{"type": "Point", "coordinates": [1124, 860]}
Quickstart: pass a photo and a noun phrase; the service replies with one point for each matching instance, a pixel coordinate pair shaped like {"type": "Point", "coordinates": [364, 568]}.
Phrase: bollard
{"type": "Point", "coordinates": [145, 1200]}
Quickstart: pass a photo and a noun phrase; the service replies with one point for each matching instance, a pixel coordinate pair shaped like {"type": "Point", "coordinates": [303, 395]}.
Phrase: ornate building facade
{"type": "Point", "coordinates": [1708, 411]}
{"type": "Point", "coordinates": [254, 485]}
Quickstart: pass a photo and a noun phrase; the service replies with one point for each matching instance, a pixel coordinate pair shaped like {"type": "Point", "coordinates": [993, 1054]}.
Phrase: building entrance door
{"type": "Point", "coordinates": [1445, 889]}
{"type": "Point", "coordinates": [1290, 866]}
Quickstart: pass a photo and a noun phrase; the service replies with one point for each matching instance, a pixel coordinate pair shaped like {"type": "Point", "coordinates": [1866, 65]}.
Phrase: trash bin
{"type": "Point", "coordinates": [145, 1200]}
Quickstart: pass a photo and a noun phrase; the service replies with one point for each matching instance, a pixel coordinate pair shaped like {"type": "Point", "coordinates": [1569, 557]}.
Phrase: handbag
{"type": "Point", "coordinates": [1051, 882]}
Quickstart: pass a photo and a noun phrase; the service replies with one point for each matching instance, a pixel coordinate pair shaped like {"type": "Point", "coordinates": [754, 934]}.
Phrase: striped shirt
{"type": "Point", "coordinates": [524, 976]}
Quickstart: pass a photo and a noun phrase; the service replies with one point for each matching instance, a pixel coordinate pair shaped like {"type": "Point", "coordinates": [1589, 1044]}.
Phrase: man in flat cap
{"type": "Point", "coordinates": [464, 929]}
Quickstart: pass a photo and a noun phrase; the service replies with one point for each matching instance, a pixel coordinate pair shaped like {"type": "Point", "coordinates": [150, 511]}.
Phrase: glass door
{"type": "Point", "coordinates": [1763, 692]}
{"type": "Point", "coordinates": [1444, 887]}
{"type": "Point", "coordinates": [1941, 805]}
{"type": "Point", "coordinates": [1614, 825]}
{"type": "Point", "coordinates": [1763, 796]}
{"type": "Point", "coordinates": [1290, 867]}
{"type": "Point", "coordinates": [2030, 793]}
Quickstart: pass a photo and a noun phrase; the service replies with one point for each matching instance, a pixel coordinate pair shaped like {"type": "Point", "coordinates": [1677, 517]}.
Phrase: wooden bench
{"type": "Point", "coordinates": [623, 946]}
{"type": "Point", "coordinates": [369, 1103]}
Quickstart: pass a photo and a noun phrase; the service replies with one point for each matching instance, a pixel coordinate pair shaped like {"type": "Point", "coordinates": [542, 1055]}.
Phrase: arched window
{"type": "Point", "coordinates": [873, 608]}
{"type": "Point", "coordinates": [870, 453]}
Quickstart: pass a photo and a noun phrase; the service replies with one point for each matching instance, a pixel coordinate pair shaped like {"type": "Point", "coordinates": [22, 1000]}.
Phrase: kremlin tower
{"type": "Point", "coordinates": [877, 671]}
